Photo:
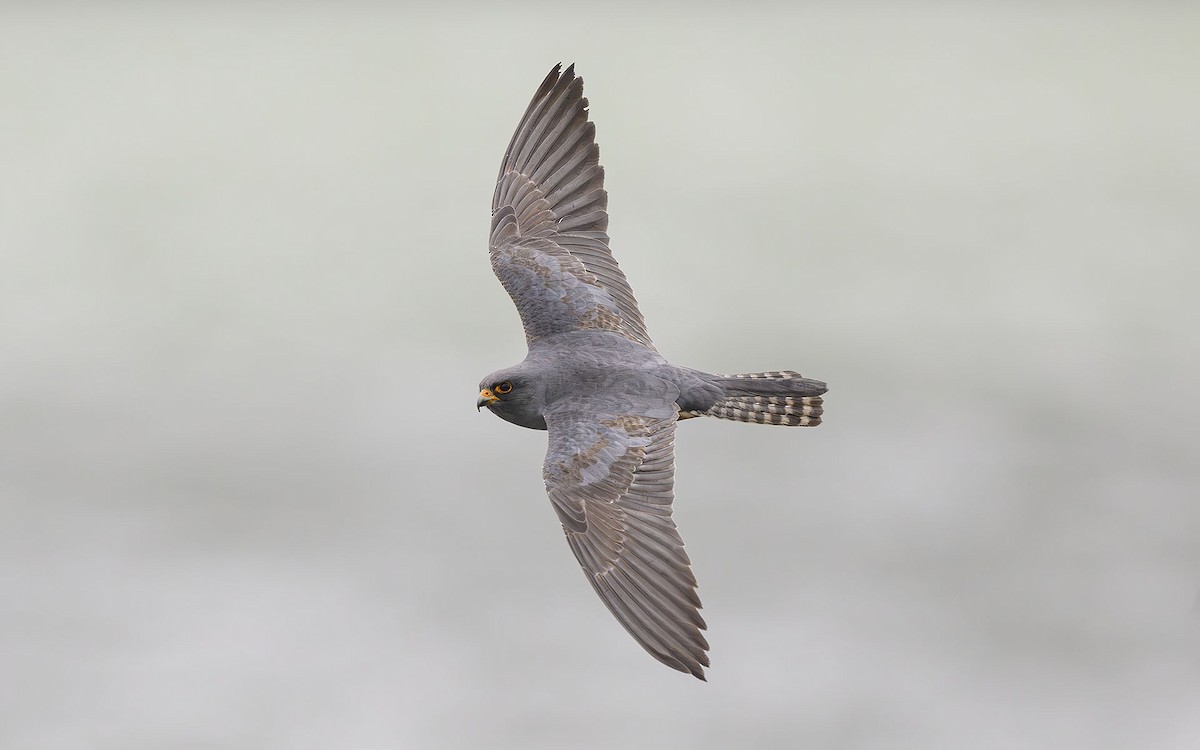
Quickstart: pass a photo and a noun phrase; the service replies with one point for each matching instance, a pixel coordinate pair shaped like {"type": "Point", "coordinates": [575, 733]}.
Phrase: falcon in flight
{"type": "Point", "coordinates": [594, 381]}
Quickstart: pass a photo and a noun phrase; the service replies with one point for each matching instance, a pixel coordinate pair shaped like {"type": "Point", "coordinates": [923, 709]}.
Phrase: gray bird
{"type": "Point", "coordinates": [595, 382]}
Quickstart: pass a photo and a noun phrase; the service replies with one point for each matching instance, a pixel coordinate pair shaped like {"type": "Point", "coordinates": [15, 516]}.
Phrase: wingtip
{"type": "Point", "coordinates": [556, 76]}
{"type": "Point", "coordinates": [548, 82]}
{"type": "Point", "coordinates": [557, 72]}
{"type": "Point", "coordinates": [695, 667]}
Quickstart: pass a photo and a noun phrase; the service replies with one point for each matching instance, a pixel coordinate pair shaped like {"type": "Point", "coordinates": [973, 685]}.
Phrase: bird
{"type": "Point", "coordinates": [593, 379]}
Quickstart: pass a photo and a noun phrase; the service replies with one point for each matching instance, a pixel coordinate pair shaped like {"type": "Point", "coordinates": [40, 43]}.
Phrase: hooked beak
{"type": "Point", "coordinates": [486, 398]}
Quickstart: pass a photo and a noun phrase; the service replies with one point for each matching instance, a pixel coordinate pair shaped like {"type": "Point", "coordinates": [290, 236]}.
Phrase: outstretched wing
{"type": "Point", "coordinates": [549, 247]}
{"type": "Point", "coordinates": [611, 480]}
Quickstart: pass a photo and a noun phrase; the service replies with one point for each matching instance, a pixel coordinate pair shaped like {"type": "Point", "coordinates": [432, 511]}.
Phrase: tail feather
{"type": "Point", "coordinates": [780, 397]}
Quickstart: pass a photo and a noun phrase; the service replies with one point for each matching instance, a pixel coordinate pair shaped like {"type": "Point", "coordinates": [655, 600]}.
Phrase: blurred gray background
{"type": "Point", "coordinates": [247, 501]}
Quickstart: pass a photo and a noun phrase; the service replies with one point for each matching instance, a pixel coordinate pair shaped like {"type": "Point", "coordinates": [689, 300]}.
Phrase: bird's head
{"type": "Point", "coordinates": [511, 395]}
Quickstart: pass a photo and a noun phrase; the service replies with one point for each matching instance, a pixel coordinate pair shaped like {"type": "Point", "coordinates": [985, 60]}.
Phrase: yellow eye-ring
{"type": "Point", "coordinates": [504, 387]}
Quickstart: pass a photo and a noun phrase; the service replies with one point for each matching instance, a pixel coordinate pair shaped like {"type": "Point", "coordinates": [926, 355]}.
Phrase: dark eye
{"type": "Point", "coordinates": [504, 387]}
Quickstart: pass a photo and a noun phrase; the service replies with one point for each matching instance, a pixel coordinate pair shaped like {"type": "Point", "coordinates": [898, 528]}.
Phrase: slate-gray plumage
{"type": "Point", "coordinates": [594, 380]}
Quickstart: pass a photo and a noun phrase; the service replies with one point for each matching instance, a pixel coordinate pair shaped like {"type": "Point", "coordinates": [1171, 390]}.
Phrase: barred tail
{"type": "Point", "coordinates": [781, 397]}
